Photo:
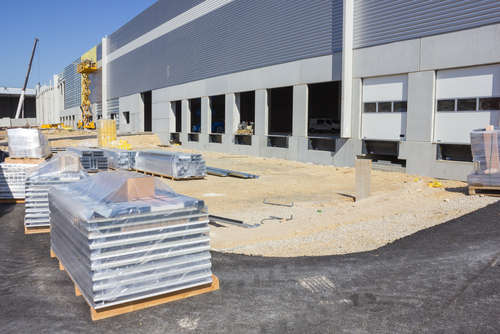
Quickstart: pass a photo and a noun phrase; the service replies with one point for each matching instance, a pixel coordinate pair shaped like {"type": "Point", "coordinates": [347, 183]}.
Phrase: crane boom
{"type": "Point", "coordinates": [21, 99]}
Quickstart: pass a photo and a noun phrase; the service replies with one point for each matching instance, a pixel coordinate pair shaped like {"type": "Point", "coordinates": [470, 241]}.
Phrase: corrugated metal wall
{"type": "Point", "coordinates": [73, 87]}
{"type": "Point", "coordinates": [384, 21]}
{"type": "Point", "coordinates": [239, 36]}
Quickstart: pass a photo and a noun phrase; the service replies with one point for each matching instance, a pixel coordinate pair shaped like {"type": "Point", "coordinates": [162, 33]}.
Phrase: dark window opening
{"type": "Point", "coordinates": [218, 108]}
{"type": "Point", "coordinates": [126, 117]}
{"type": "Point", "coordinates": [247, 107]}
{"type": "Point", "coordinates": [195, 111]}
{"type": "Point", "coordinates": [324, 107]}
{"type": "Point", "coordinates": [280, 102]}
{"type": "Point", "coordinates": [454, 152]}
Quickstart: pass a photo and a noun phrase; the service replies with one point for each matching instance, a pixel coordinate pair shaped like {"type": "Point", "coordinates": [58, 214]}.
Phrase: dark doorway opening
{"type": "Point", "coordinates": [177, 106]}
{"type": "Point", "coordinates": [324, 108]}
{"type": "Point", "coordinates": [247, 107]}
{"type": "Point", "coordinates": [148, 107]}
{"type": "Point", "coordinates": [218, 107]}
{"type": "Point", "coordinates": [280, 102]}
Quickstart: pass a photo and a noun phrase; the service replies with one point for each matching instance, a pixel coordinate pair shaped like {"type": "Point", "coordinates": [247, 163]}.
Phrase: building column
{"type": "Point", "coordinates": [206, 120]}
{"type": "Point", "coordinates": [261, 112]}
{"type": "Point", "coordinates": [104, 62]}
{"type": "Point", "coordinates": [185, 120]}
{"type": "Point", "coordinates": [347, 45]}
{"type": "Point", "coordinates": [300, 110]}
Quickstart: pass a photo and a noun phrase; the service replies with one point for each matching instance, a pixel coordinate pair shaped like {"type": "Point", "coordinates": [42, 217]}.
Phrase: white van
{"type": "Point", "coordinates": [323, 125]}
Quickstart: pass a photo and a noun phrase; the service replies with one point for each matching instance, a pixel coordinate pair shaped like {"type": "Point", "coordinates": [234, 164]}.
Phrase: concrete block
{"type": "Point", "coordinates": [4, 122]}
{"type": "Point", "coordinates": [363, 175]}
{"type": "Point", "coordinates": [245, 81]}
{"type": "Point", "coordinates": [420, 118]}
{"type": "Point", "coordinates": [159, 95]}
{"type": "Point", "coordinates": [281, 75]}
{"type": "Point", "coordinates": [387, 59]}
{"type": "Point", "coordinates": [160, 110]}
{"type": "Point", "coordinates": [32, 121]}
{"type": "Point", "coordinates": [217, 86]}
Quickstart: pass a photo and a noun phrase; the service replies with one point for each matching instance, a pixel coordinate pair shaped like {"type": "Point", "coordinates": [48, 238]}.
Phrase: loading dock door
{"type": "Point", "coordinates": [466, 99]}
{"type": "Point", "coordinates": [384, 107]}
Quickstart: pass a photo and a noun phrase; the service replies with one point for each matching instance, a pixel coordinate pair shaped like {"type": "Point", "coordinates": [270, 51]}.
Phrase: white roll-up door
{"type": "Point", "coordinates": [460, 94]}
{"type": "Point", "coordinates": [387, 119]}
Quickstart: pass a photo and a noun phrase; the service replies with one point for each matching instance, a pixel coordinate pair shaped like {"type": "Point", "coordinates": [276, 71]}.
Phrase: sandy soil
{"type": "Point", "coordinates": [324, 218]}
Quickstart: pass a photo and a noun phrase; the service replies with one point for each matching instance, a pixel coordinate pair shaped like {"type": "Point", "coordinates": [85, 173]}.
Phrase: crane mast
{"type": "Point", "coordinates": [23, 92]}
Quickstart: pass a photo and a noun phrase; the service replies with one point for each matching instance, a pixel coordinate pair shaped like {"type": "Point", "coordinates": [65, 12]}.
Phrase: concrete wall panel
{"type": "Point", "coordinates": [281, 75]}
{"type": "Point", "coordinates": [420, 121]}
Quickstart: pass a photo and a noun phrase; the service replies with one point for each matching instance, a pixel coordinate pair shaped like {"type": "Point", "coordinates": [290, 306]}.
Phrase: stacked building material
{"type": "Point", "coordinates": [485, 153]}
{"type": "Point", "coordinates": [63, 168]}
{"type": "Point", "coordinates": [174, 164]}
{"type": "Point", "coordinates": [27, 143]}
{"type": "Point", "coordinates": [120, 159]}
{"type": "Point", "coordinates": [122, 236]}
{"type": "Point", "coordinates": [12, 180]}
{"type": "Point", "coordinates": [106, 132]}
{"type": "Point", "coordinates": [92, 159]}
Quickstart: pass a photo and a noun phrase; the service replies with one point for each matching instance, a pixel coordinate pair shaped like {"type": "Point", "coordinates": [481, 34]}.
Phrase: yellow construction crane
{"type": "Point", "coordinates": [85, 68]}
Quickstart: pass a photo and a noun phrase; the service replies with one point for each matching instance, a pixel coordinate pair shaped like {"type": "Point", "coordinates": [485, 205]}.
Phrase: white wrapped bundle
{"type": "Point", "coordinates": [27, 143]}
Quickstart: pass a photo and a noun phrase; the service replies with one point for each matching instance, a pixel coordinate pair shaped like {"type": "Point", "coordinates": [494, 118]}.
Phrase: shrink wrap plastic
{"type": "Point", "coordinates": [27, 143]}
{"type": "Point", "coordinates": [120, 159]}
{"type": "Point", "coordinates": [92, 159]}
{"type": "Point", "coordinates": [175, 164]}
{"type": "Point", "coordinates": [63, 168]}
{"type": "Point", "coordinates": [106, 132]}
{"type": "Point", "coordinates": [485, 152]}
{"type": "Point", "coordinates": [12, 180]}
{"type": "Point", "coordinates": [123, 236]}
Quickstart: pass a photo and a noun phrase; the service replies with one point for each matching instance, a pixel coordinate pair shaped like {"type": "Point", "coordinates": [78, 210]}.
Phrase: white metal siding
{"type": "Point", "coordinates": [384, 126]}
{"type": "Point", "coordinates": [388, 88]}
{"type": "Point", "coordinates": [470, 82]}
{"type": "Point", "coordinates": [455, 127]}
{"type": "Point", "coordinates": [480, 81]}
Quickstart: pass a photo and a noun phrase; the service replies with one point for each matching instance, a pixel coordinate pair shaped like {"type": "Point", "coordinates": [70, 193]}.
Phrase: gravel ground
{"type": "Point", "coordinates": [366, 235]}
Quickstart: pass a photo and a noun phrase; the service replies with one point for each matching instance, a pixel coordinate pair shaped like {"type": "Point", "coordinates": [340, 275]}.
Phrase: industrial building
{"type": "Point", "coordinates": [406, 80]}
{"type": "Point", "coordinates": [9, 101]}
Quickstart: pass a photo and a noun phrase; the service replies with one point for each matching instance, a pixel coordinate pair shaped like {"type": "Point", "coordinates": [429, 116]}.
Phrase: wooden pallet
{"type": "Point", "coordinates": [11, 200]}
{"type": "Point", "coordinates": [36, 229]}
{"type": "Point", "coordinates": [168, 176]}
{"type": "Point", "coordinates": [128, 307]}
{"type": "Point", "coordinates": [96, 171]}
{"type": "Point", "coordinates": [487, 191]}
{"type": "Point", "coordinates": [26, 160]}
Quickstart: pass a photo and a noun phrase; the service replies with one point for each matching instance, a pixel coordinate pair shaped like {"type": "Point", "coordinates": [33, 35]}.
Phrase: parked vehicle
{"type": "Point", "coordinates": [323, 125]}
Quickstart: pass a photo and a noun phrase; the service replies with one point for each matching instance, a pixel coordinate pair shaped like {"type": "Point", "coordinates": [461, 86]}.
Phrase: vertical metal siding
{"type": "Point", "coordinates": [385, 21]}
{"type": "Point", "coordinates": [73, 87]}
{"type": "Point", "coordinates": [239, 36]}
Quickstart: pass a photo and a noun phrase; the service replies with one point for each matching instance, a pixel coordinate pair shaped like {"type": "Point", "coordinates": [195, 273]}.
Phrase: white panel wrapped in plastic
{"type": "Point", "coordinates": [92, 159]}
{"type": "Point", "coordinates": [27, 143]}
{"type": "Point", "coordinates": [120, 159]}
{"type": "Point", "coordinates": [485, 152]}
{"type": "Point", "coordinates": [175, 164]}
{"type": "Point", "coordinates": [63, 168]}
{"type": "Point", "coordinates": [12, 180]}
{"type": "Point", "coordinates": [124, 236]}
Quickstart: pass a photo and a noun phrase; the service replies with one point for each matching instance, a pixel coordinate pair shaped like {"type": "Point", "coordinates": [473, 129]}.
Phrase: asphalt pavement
{"type": "Point", "coordinates": [445, 279]}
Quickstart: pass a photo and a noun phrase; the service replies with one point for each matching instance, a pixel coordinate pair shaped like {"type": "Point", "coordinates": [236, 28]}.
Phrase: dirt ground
{"type": "Point", "coordinates": [324, 218]}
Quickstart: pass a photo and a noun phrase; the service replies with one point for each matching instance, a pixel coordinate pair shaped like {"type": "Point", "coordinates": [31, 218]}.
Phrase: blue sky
{"type": "Point", "coordinates": [66, 30]}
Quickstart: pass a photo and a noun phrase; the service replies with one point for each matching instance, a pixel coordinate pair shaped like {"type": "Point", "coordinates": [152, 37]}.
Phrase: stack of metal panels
{"type": "Point", "coordinates": [485, 146]}
{"type": "Point", "coordinates": [123, 236]}
{"type": "Point", "coordinates": [120, 159]}
{"type": "Point", "coordinates": [27, 143]}
{"type": "Point", "coordinates": [63, 168]}
{"type": "Point", "coordinates": [92, 159]}
{"type": "Point", "coordinates": [12, 180]}
{"type": "Point", "coordinates": [175, 164]}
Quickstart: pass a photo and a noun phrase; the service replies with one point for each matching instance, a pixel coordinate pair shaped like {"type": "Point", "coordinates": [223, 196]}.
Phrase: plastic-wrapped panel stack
{"type": "Point", "coordinates": [92, 159]}
{"type": "Point", "coordinates": [122, 236]}
{"type": "Point", "coordinates": [27, 143]}
{"type": "Point", "coordinates": [120, 159]}
{"type": "Point", "coordinates": [12, 180]}
{"type": "Point", "coordinates": [485, 152]}
{"type": "Point", "coordinates": [63, 168]}
{"type": "Point", "coordinates": [106, 132]}
{"type": "Point", "coordinates": [175, 164]}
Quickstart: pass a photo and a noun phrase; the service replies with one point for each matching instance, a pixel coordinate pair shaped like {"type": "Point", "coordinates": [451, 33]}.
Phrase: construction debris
{"type": "Point", "coordinates": [278, 204]}
{"type": "Point", "coordinates": [230, 221]}
{"type": "Point", "coordinates": [225, 172]}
